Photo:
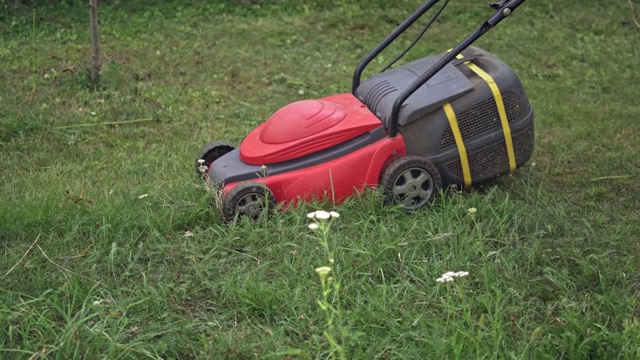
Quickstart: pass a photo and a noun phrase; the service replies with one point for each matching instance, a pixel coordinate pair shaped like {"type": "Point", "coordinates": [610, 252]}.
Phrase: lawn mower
{"type": "Point", "coordinates": [459, 118]}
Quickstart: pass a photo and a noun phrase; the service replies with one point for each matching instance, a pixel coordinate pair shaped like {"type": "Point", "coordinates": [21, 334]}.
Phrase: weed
{"type": "Point", "coordinates": [330, 282]}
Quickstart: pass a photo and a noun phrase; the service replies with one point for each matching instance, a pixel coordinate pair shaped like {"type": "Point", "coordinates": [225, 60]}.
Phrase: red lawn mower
{"type": "Point", "coordinates": [457, 118]}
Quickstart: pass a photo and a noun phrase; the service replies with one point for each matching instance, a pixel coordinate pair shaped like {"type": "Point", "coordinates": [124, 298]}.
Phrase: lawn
{"type": "Point", "coordinates": [112, 247]}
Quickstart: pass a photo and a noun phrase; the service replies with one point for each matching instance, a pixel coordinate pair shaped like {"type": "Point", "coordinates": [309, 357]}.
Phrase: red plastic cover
{"type": "Point", "coordinates": [305, 127]}
{"type": "Point", "coordinates": [334, 180]}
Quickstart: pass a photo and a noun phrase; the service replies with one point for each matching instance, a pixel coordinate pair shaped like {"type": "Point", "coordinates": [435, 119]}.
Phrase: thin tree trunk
{"type": "Point", "coordinates": [95, 42]}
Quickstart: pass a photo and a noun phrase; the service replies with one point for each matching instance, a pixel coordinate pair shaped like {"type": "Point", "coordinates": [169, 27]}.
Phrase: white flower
{"type": "Point", "coordinates": [314, 226]}
{"type": "Point", "coordinates": [188, 234]}
{"type": "Point", "coordinates": [323, 270]}
{"type": "Point", "coordinates": [451, 275]}
{"type": "Point", "coordinates": [322, 215]}
{"type": "Point", "coordinates": [471, 211]}
{"type": "Point", "coordinates": [200, 161]}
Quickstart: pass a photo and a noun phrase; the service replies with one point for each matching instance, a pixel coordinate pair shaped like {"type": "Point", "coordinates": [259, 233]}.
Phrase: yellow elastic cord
{"type": "Point", "coordinates": [501, 111]}
{"type": "Point", "coordinates": [464, 161]}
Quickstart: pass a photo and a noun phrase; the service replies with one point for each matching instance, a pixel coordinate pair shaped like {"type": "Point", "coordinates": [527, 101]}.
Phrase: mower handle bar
{"type": "Point", "coordinates": [503, 9]}
{"type": "Point", "coordinates": [388, 40]}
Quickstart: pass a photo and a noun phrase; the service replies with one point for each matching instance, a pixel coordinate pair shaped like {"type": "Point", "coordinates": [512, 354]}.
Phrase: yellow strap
{"type": "Point", "coordinates": [501, 111]}
{"type": "Point", "coordinates": [464, 161]}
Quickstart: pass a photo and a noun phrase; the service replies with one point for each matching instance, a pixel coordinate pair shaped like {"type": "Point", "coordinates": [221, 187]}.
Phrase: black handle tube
{"type": "Point", "coordinates": [388, 40]}
{"type": "Point", "coordinates": [492, 21]}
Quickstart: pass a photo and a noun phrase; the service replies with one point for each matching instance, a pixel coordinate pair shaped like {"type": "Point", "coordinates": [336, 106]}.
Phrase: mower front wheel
{"type": "Point", "coordinates": [412, 181]}
{"type": "Point", "coordinates": [249, 199]}
{"type": "Point", "coordinates": [210, 153]}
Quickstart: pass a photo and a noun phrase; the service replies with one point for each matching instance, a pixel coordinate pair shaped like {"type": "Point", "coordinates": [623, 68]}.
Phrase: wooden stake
{"type": "Point", "coordinates": [95, 42]}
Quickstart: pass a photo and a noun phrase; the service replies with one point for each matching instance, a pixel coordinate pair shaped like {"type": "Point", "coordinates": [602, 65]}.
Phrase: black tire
{"type": "Point", "coordinates": [210, 153]}
{"type": "Point", "coordinates": [248, 200]}
{"type": "Point", "coordinates": [412, 181]}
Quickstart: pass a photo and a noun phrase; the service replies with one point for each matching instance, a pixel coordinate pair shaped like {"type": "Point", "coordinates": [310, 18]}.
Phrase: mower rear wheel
{"type": "Point", "coordinates": [210, 153]}
{"type": "Point", "coordinates": [412, 181]}
{"type": "Point", "coordinates": [249, 199]}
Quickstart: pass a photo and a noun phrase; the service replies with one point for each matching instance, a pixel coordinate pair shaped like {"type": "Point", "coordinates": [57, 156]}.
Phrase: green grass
{"type": "Point", "coordinates": [90, 270]}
